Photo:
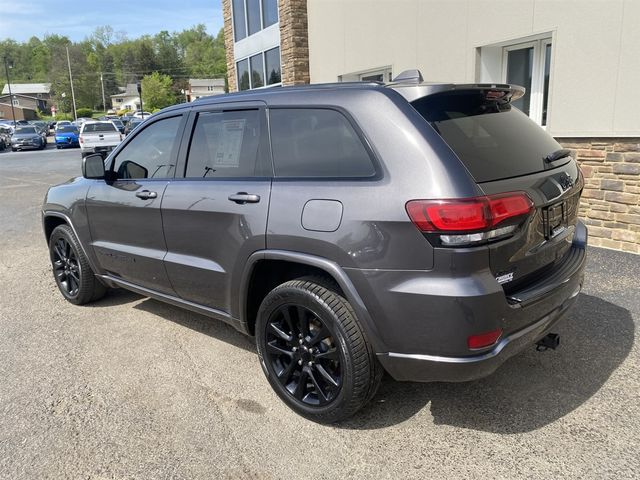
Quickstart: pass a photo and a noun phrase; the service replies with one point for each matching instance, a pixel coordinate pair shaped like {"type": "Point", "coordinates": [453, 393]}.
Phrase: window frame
{"type": "Point", "coordinates": [246, 20]}
{"type": "Point", "coordinates": [263, 54]}
{"type": "Point", "coordinates": [536, 97]}
{"type": "Point", "coordinates": [111, 159]}
{"type": "Point", "coordinates": [373, 156]}
{"type": "Point", "coordinates": [187, 138]}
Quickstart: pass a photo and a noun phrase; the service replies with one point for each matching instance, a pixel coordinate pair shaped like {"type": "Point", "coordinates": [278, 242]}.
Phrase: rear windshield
{"type": "Point", "coordinates": [493, 140]}
{"type": "Point", "coordinates": [99, 127]}
{"type": "Point", "coordinates": [22, 130]}
{"type": "Point", "coordinates": [67, 129]}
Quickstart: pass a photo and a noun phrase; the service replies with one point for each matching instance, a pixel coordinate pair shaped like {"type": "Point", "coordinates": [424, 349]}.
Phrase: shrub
{"type": "Point", "coordinates": [84, 112]}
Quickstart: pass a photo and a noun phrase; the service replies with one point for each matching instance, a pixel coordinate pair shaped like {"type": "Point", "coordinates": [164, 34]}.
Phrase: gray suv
{"type": "Point", "coordinates": [425, 230]}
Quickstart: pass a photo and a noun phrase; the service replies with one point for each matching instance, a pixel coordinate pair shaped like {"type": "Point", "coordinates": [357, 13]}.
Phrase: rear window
{"type": "Point", "coordinates": [67, 129]}
{"type": "Point", "coordinates": [25, 130]}
{"type": "Point", "coordinates": [494, 141]}
{"type": "Point", "coordinates": [99, 127]}
{"type": "Point", "coordinates": [317, 143]}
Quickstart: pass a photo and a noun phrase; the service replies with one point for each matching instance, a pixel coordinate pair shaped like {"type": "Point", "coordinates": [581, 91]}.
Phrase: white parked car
{"type": "Point", "coordinates": [142, 114]}
{"type": "Point", "coordinates": [98, 137]}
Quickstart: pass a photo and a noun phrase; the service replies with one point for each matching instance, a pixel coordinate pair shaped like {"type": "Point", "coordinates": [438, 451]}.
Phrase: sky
{"type": "Point", "coordinates": [77, 19]}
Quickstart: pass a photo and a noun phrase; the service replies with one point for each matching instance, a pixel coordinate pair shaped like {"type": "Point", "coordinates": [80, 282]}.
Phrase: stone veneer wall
{"type": "Point", "coordinates": [294, 41]}
{"type": "Point", "coordinates": [610, 204]}
{"type": "Point", "coordinates": [228, 45]}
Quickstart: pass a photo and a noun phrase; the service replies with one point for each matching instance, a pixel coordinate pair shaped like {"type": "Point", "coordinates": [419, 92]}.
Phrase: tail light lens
{"type": "Point", "coordinates": [80, 139]}
{"type": "Point", "coordinates": [467, 221]}
{"type": "Point", "coordinates": [484, 339]}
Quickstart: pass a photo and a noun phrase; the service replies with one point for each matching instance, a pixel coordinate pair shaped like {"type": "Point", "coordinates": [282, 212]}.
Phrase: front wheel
{"type": "Point", "coordinates": [313, 351]}
{"type": "Point", "coordinates": [71, 270]}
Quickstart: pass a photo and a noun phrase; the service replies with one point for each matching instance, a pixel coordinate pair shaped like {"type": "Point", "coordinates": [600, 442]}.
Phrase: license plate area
{"type": "Point", "coordinates": [554, 219]}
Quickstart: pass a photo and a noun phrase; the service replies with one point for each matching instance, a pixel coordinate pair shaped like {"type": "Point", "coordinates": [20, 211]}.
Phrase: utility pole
{"type": "Point", "coordinates": [139, 85]}
{"type": "Point", "coordinates": [6, 69]}
{"type": "Point", "coordinates": [104, 103]}
{"type": "Point", "coordinates": [73, 95]}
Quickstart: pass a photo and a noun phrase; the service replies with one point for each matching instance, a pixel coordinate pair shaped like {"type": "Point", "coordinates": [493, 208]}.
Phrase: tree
{"type": "Point", "coordinates": [157, 91]}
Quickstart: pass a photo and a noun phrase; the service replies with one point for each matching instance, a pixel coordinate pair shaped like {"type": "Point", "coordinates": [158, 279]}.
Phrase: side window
{"type": "Point", "coordinates": [317, 143]}
{"type": "Point", "coordinates": [150, 153]}
{"type": "Point", "coordinates": [227, 144]}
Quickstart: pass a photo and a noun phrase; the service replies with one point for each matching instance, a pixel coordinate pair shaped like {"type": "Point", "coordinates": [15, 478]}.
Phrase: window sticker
{"type": "Point", "coordinates": [224, 141]}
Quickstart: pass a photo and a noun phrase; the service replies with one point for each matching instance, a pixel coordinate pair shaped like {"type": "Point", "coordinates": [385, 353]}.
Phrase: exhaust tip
{"type": "Point", "coordinates": [549, 341]}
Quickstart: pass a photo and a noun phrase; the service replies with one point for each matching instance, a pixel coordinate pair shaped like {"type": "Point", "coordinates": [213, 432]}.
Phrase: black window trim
{"type": "Point", "coordinates": [373, 156]}
{"type": "Point", "coordinates": [110, 161]}
{"type": "Point", "coordinates": [187, 138]}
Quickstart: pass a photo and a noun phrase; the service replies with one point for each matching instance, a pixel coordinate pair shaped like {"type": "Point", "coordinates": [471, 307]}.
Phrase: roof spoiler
{"type": "Point", "coordinates": [409, 76]}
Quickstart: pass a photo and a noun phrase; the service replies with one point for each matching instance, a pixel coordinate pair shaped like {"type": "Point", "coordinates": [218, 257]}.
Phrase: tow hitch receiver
{"type": "Point", "coordinates": [549, 341]}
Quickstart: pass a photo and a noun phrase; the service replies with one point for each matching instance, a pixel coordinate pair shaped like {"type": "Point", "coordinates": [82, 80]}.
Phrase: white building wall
{"type": "Point", "coordinates": [595, 69]}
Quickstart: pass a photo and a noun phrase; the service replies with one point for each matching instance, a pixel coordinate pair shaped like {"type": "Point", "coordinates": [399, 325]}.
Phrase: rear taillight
{"type": "Point", "coordinates": [80, 139]}
{"type": "Point", "coordinates": [467, 221]}
{"type": "Point", "coordinates": [484, 339]}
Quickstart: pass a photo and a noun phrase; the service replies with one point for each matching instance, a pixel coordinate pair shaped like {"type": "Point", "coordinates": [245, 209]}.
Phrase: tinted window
{"type": "Point", "coordinates": [493, 140]}
{"type": "Point", "coordinates": [150, 152]}
{"type": "Point", "coordinates": [226, 144]}
{"type": "Point", "coordinates": [239, 27]}
{"type": "Point", "coordinates": [257, 71]}
{"type": "Point", "coordinates": [272, 59]}
{"type": "Point", "coordinates": [243, 75]}
{"type": "Point", "coordinates": [253, 16]}
{"type": "Point", "coordinates": [269, 12]}
{"type": "Point", "coordinates": [99, 127]}
{"type": "Point", "coordinates": [317, 143]}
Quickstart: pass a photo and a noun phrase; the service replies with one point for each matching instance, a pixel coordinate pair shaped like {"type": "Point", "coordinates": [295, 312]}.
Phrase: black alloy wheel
{"type": "Point", "coordinates": [313, 351]}
{"type": "Point", "coordinates": [303, 354]}
{"type": "Point", "coordinates": [71, 270]}
{"type": "Point", "coordinates": [66, 267]}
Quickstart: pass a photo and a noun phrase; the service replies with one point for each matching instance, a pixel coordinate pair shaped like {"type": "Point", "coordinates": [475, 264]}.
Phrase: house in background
{"type": "Point", "coordinates": [127, 99]}
{"type": "Point", "coordinates": [21, 113]}
{"type": "Point", "coordinates": [577, 61]}
{"type": "Point", "coordinates": [204, 87]}
{"type": "Point", "coordinates": [25, 101]}
{"type": "Point", "coordinates": [31, 95]}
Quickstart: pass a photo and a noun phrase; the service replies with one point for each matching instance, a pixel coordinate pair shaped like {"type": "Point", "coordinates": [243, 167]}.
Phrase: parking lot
{"type": "Point", "coordinates": [132, 388]}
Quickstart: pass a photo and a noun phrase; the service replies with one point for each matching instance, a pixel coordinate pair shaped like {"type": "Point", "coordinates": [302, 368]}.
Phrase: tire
{"type": "Point", "coordinates": [14, 149]}
{"type": "Point", "coordinates": [332, 344]}
{"type": "Point", "coordinates": [72, 273]}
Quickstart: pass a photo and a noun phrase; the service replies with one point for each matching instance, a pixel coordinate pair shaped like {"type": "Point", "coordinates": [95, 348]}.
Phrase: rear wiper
{"type": "Point", "coordinates": [557, 155]}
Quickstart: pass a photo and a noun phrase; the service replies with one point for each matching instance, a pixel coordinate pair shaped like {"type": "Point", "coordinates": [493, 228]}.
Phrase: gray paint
{"type": "Point", "coordinates": [192, 246]}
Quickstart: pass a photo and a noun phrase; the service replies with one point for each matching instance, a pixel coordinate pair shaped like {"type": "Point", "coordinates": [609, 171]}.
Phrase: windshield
{"type": "Point", "coordinates": [99, 127]}
{"type": "Point", "coordinates": [25, 130]}
{"type": "Point", "coordinates": [67, 129]}
{"type": "Point", "coordinates": [117, 123]}
{"type": "Point", "coordinates": [494, 141]}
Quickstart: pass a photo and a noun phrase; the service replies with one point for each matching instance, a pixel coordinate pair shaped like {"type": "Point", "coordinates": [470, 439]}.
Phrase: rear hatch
{"type": "Point", "coordinates": [505, 151]}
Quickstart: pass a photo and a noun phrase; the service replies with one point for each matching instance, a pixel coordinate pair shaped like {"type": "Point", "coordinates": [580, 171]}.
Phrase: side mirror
{"type": "Point", "coordinates": [93, 166]}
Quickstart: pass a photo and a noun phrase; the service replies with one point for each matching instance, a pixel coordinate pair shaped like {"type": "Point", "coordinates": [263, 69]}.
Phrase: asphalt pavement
{"type": "Point", "coordinates": [131, 388]}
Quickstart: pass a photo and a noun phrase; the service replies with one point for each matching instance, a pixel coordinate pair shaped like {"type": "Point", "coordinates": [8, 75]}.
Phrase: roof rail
{"type": "Point", "coordinates": [409, 76]}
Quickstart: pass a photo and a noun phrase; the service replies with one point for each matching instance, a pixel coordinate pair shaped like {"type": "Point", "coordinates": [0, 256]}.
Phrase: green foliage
{"type": "Point", "coordinates": [84, 112]}
{"type": "Point", "coordinates": [157, 92]}
{"type": "Point", "coordinates": [192, 53]}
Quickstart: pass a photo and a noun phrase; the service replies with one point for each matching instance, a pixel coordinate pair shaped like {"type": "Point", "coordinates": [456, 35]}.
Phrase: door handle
{"type": "Point", "coordinates": [244, 197]}
{"type": "Point", "coordinates": [146, 194]}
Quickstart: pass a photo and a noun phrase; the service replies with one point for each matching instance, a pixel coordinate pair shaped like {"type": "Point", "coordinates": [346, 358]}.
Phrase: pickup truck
{"type": "Point", "coordinates": [98, 137]}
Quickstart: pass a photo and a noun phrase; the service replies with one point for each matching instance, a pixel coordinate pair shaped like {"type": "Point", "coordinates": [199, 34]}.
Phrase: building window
{"type": "Point", "coordinates": [525, 62]}
{"type": "Point", "coordinates": [251, 16]}
{"type": "Point", "coordinates": [382, 74]}
{"type": "Point", "coordinates": [264, 67]}
{"type": "Point", "coordinates": [272, 64]}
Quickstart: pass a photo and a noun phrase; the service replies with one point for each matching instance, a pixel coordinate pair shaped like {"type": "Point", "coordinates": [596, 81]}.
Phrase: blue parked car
{"type": "Point", "coordinates": [67, 136]}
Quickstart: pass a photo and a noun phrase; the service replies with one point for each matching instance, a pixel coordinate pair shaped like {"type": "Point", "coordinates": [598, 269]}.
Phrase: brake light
{"type": "Point", "coordinates": [484, 340]}
{"type": "Point", "coordinates": [470, 220]}
{"type": "Point", "coordinates": [80, 139]}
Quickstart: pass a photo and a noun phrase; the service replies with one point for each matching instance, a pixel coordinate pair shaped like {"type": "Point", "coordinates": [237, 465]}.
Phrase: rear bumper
{"type": "Point", "coordinates": [424, 322]}
{"type": "Point", "coordinates": [434, 368]}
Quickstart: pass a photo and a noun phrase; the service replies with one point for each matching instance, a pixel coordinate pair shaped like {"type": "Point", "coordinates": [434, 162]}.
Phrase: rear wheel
{"type": "Point", "coordinates": [71, 270]}
{"type": "Point", "coordinates": [313, 351]}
